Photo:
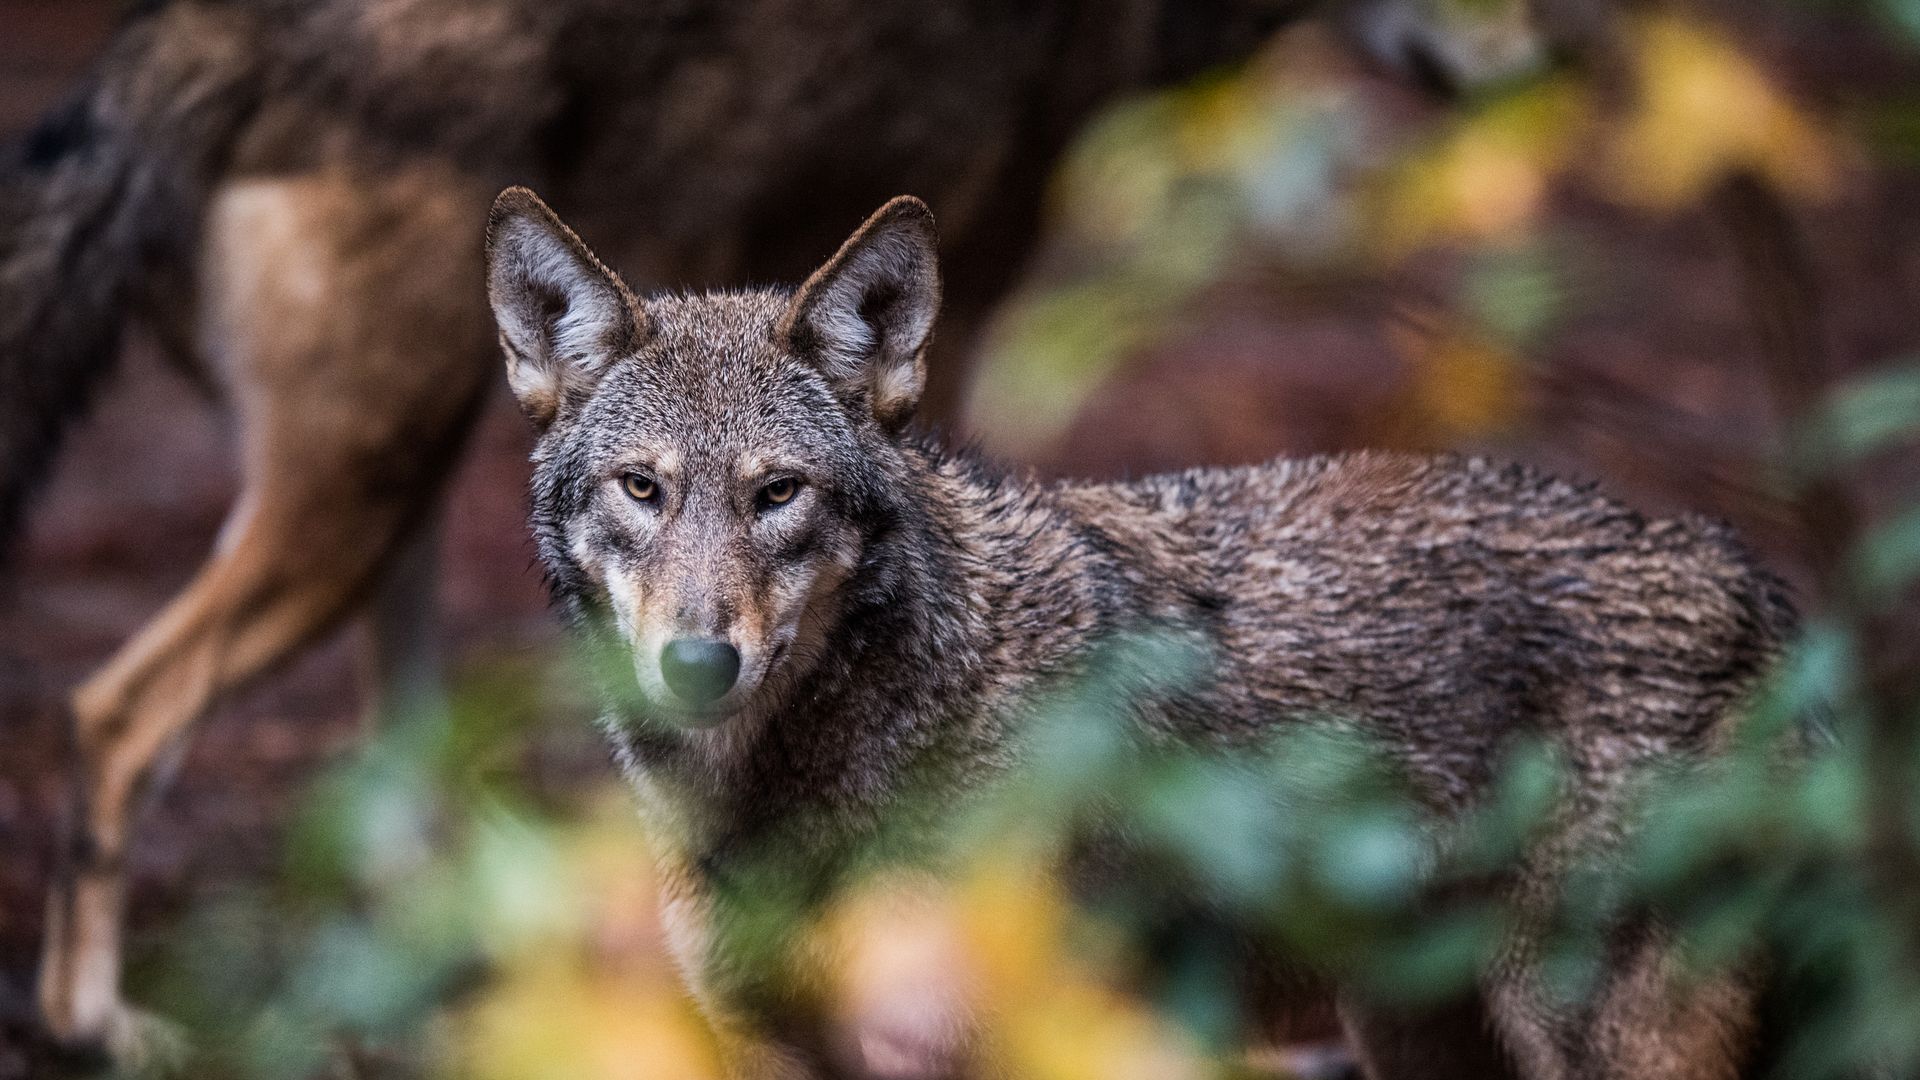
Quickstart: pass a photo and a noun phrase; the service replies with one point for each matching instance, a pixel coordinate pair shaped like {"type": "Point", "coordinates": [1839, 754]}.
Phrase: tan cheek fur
{"type": "Point", "coordinates": [645, 612]}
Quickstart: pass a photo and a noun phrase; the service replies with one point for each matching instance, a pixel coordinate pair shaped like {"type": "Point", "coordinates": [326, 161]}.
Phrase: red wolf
{"type": "Point", "coordinates": [823, 612]}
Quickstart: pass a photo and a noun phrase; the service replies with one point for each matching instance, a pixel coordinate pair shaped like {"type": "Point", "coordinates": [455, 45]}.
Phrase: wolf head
{"type": "Point", "coordinates": [711, 469]}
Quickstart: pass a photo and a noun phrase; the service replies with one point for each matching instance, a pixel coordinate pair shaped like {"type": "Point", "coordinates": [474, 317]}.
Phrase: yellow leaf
{"type": "Point", "coordinates": [1487, 177]}
{"type": "Point", "coordinates": [1702, 111]}
{"type": "Point", "coordinates": [1014, 916]}
{"type": "Point", "coordinates": [1081, 1030]}
{"type": "Point", "coordinates": [557, 1020]}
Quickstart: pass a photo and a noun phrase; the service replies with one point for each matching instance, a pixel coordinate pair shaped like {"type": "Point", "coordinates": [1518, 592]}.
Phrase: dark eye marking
{"type": "Point", "coordinates": [800, 548]}
{"type": "Point", "coordinates": [620, 541]}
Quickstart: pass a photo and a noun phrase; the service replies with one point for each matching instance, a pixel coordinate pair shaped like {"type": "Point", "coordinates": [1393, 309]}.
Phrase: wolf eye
{"type": "Point", "coordinates": [639, 487]}
{"type": "Point", "coordinates": [780, 491]}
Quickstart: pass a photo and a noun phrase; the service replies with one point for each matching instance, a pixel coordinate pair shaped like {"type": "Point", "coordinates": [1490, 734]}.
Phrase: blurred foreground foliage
{"type": "Point", "coordinates": [436, 918]}
{"type": "Point", "coordinates": [430, 922]}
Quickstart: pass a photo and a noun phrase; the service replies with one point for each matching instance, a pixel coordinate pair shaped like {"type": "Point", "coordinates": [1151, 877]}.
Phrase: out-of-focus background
{"type": "Point", "coordinates": [1310, 252]}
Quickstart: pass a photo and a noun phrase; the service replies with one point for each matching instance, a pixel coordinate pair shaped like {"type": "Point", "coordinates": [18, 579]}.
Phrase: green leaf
{"type": "Point", "coordinates": [1372, 862]}
{"type": "Point", "coordinates": [1889, 557]}
{"type": "Point", "coordinates": [1516, 293]}
{"type": "Point", "coordinates": [1905, 16]}
{"type": "Point", "coordinates": [1862, 417]}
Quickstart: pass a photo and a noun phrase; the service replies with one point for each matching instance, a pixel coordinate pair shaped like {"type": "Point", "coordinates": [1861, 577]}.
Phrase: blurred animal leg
{"type": "Point", "coordinates": [1648, 1019]}
{"type": "Point", "coordinates": [346, 313]}
{"type": "Point", "coordinates": [405, 673]}
{"type": "Point", "coordinates": [251, 606]}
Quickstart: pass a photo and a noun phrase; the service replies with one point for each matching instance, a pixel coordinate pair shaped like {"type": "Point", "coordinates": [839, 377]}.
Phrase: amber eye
{"type": "Point", "coordinates": [780, 491]}
{"type": "Point", "coordinates": [639, 487]}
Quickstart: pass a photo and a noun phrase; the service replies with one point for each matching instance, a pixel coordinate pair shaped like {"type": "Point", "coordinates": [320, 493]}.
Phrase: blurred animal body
{"type": "Point", "coordinates": [823, 621]}
{"type": "Point", "coordinates": [285, 194]}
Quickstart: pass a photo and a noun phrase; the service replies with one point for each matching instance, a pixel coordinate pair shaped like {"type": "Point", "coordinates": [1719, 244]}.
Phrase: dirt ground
{"type": "Point", "coordinates": [1651, 388]}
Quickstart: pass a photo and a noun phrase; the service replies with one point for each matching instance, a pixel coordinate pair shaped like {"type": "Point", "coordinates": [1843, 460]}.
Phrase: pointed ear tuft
{"type": "Point", "coordinates": [865, 317]}
{"type": "Point", "coordinates": [563, 316]}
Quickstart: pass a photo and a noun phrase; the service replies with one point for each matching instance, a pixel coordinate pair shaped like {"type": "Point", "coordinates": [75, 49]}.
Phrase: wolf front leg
{"type": "Point", "coordinates": [1647, 1017]}
{"type": "Point", "coordinates": [879, 985]}
{"type": "Point", "coordinates": [686, 918]}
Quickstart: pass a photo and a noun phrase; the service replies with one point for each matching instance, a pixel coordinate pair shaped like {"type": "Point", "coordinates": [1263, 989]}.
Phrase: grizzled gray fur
{"type": "Point", "coordinates": [732, 475]}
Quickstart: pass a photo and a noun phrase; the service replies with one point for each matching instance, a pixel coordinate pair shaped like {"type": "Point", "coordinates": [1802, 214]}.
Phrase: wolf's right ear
{"type": "Point", "coordinates": [563, 316]}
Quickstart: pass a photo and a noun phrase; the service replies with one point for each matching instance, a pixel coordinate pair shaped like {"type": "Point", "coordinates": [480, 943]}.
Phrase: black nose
{"type": "Point", "coordinates": [698, 670]}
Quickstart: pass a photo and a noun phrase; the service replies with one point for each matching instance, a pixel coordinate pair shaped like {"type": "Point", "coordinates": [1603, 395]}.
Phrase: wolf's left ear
{"type": "Point", "coordinates": [866, 316]}
{"type": "Point", "coordinates": [563, 316]}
